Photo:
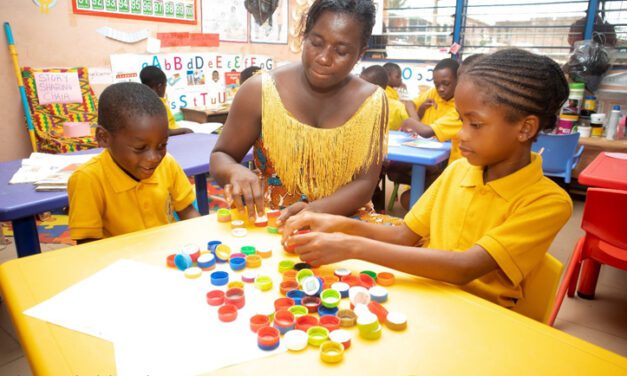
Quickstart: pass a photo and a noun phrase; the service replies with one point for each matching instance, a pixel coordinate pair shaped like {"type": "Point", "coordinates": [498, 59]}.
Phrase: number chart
{"type": "Point", "coordinates": [176, 11]}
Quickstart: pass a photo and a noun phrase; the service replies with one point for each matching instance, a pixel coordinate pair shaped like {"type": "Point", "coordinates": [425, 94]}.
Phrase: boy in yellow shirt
{"type": "Point", "coordinates": [395, 79]}
{"type": "Point", "coordinates": [154, 78]}
{"type": "Point", "coordinates": [434, 113]}
{"type": "Point", "coordinates": [376, 74]}
{"type": "Point", "coordinates": [486, 223]}
{"type": "Point", "coordinates": [133, 184]}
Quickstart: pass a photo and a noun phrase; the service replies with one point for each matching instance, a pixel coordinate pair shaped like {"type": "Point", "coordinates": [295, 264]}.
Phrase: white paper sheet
{"type": "Point", "coordinates": [123, 36]}
{"type": "Point", "coordinates": [199, 127]}
{"type": "Point", "coordinates": [158, 320]}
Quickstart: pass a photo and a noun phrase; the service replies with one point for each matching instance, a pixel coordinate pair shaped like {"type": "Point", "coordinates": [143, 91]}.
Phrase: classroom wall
{"type": "Point", "coordinates": [62, 39]}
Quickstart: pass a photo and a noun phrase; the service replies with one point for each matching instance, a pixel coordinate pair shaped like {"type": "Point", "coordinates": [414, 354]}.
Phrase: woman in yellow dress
{"type": "Point", "coordinates": [319, 133]}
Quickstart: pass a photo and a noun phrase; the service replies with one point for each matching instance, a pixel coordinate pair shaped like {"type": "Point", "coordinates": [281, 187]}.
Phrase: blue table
{"type": "Point", "coordinates": [419, 158]}
{"type": "Point", "coordinates": [20, 203]}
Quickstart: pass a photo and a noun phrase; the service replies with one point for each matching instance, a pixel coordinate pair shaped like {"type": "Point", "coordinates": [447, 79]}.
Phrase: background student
{"type": "Point", "coordinates": [489, 219]}
{"type": "Point", "coordinates": [155, 79]}
{"type": "Point", "coordinates": [133, 184]}
{"type": "Point", "coordinates": [376, 74]}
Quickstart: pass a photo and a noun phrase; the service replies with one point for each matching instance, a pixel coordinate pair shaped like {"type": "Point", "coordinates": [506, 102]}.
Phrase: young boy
{"type": "Point", "coordinates": [376, 74]}
{"type": "Point", "coordinates": [486, 223]}
{"type": "Point", "coordinates": [434, 113]}
{"type": "Point", "coordinates": [394, 80]}
{"type": "Point", "coordinates": [154, 78]}
{"type": "Point", "coordinates": [248, 73]}
{"type": "Point", "coordinates": [133, 184]}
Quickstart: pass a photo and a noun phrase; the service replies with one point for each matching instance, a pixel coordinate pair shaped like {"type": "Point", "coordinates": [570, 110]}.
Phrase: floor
{"type": "Point", "coordinates": [601, 321]}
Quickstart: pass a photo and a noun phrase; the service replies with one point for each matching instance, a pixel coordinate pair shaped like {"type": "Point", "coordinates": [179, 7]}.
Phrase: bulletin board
{"type": "Point", "coordinates": [174, 11]}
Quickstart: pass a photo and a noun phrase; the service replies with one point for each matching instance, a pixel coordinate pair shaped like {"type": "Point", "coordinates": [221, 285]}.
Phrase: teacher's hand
{"type": "Point", "coordinates": [306, 220]}
{"type": "Point", "coordinates": [245, 190]}
{"type": "Point", "coordinates": [321, 248]}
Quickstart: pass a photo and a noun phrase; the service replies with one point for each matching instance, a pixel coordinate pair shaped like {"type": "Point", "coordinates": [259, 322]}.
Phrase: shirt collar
{"type": "Point", "coordinates": [120, 181]}
{"type": "Point", "coordinates": [508, 186]}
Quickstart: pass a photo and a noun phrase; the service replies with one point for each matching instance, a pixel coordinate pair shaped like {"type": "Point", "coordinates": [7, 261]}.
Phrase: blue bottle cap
{"type": "Point", "coordinates": [296, 295]}
{"type": "Point", "coordinates": [237, 263]}
{"type": "Point", "coordinates": [325, 311]}
{"type": "Point", "coordinates": [211, 246]}
{"type": "Point", "coordinates": [182, 261]}
{"type": "Point", "coordinates": [219, 278]}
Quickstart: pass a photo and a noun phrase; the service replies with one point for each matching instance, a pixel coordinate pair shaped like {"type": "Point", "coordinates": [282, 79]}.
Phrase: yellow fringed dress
{"type": "Point", "coordinates": [299, 162]}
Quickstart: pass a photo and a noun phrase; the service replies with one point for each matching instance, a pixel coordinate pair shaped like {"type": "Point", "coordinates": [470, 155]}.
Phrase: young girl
{"type": "Point", "coordinates": [489, 219]}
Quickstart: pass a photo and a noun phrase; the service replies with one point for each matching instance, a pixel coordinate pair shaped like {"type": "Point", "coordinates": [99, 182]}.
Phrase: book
{"type": "Point", "coordinates": [58, 180]}
{"type": "Point", "coordinates": [424, 144]}
{"type": "Point", "coordinates": [199, 127]}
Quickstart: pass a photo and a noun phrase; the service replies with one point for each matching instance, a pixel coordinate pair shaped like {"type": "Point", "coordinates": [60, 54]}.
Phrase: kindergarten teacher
{"type": "Point", "coordinates": [318, 131]}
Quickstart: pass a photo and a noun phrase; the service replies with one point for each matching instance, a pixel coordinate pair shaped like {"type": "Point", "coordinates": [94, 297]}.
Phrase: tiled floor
{"type": "Point", "coordinates": [601, 321]}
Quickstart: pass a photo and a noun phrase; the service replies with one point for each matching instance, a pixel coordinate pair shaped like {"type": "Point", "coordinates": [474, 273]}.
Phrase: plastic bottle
{"type": "Point", "coordinates": [612, 123]}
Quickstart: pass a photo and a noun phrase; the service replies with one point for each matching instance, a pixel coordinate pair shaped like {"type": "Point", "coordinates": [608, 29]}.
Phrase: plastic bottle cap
{"type": "Point", "coordinates": [317, 335]}
{"type": "Point", "coordinates": [378, 294]}
{"type": "Point", "coordinates": [182, 261]}
{"type": "Point", "coordinates": [386, 279]}
{"type": "Point", "coordinates": [341, 336]}
{"type": "Point", "coordinates": [249, 276]}
{"type": "Point", "coordinates": [306, 322]}
{"type": "Point", "coordinates": [219, 278]}
{"type": "Point", "coordinates": [263, 283]}
{"type": "Point", "coordinates": [285, 265]}
{"type": "Point", "coordinates": [331, 352]}
{"type": "Point", "coordinates": [330, 322]}
{"type": "Point", "coordinates": [283, 303]}
{"type": "Point", "coordinates": [330, 298]}
{"type": "Point", "coordinates": [302, 274]}
{"type": "Point", "coordinates": [215, 297]}
{"type": "Point", "coordinates": [193, 272]}
{"type": "Point", "coordinates": [227, 313]}
{"type": "Point", "coordinates": [236, 297]}
{"type": "Point", "coordinates": [235, 284]}
{"type": "Point", "coordinates": [295, 340]}
{"type": "Point", "coordinates": [298, 310]}
{"type": "Point", "coordinates": [359, 295]}
{"type": "Point", "coordinates": [311, 285]}
{"type": "Point", "coordinates": [239, 232]}
{"type": "Point", "coordinates": [259, 321]}
{"type": "Point", "coordinates": [347, 317]}
{"type": "Point", "coordinates": [396, 320]}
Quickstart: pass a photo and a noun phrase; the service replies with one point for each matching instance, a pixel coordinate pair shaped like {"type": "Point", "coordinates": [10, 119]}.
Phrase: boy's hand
{"type": "Point", "coordinates": [424, 106]}
{"type": "Point", "coordinates": [318, 222]}
{"type": "Point", "coordinates": [320, 248]}
{"type": "Point", "coordinates": [245, 190]}
{"type": "Point", "coordinates": [409, 127]}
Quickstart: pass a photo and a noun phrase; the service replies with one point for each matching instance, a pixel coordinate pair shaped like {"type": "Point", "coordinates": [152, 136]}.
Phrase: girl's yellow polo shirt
{"type": "Point", "coordinates": [171, 121]}
{"type": "Point", "coordinates": [105, 201]}
{"type": "Point", "coordinates": [444, 120]}
{"type": "Point", "coordinates": [515, 219]}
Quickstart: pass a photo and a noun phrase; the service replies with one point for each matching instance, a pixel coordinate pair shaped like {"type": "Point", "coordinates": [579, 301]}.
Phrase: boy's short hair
{"type": "Point", "coordinates": [375, 74]}
{"type": "Point", "coordinates": [447, 64]}
{"type": "Point", "coordinates": [152, 76]}
{"type": "Point", "coordinates": [123, 101]}
{"type": "Point", "coordinates": [248, 73]}
{"type": "Point", "coordinates": [391, 67]}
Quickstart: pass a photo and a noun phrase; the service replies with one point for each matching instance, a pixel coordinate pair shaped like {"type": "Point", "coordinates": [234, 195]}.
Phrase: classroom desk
{"type": "Point", "coordinates": [205, 116]}
{"type": "Point", "coordinates": [603, 172]}
{"type": "Point", "coordinates": [419, 158]}
{"type": "Point", "coordinates": [20, 203]}
{"type": "Point", "coordinates": [449, 332]}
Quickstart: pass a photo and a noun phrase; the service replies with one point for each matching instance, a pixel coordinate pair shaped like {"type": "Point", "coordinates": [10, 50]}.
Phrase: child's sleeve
{"type": "Point", "coordinates": [418, 219]}
{"type": "Point", "coordinates": [447, 126]}
{"type": "Point", "coordinates": [519, 243]}
{"type": "Point", "coordinates": [182, 192]}
{"type": "Point", "coordinates": [422, 98]}
{"type": "Point", "coordinates": [86, 200]}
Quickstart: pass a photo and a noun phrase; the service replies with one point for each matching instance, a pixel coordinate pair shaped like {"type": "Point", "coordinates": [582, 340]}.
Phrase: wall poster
{"type": "Point", "coordinates": [229, 18]}
{"type": "Point", "coordinates": [175, 11]}
{"type": "Point", "coordinates": [274, 29]}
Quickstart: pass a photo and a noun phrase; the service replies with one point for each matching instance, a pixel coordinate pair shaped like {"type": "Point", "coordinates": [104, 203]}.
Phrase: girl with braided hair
{"type": "Point", "coordinates": [486, 223]}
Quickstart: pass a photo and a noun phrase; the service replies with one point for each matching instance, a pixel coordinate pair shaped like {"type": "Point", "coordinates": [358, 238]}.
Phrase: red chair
{"type": "Point", "coordinates": [605, 242]}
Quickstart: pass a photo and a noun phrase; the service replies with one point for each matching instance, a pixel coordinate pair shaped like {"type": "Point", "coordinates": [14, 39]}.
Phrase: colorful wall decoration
{"type": "Point", "coordinates": [175, 11]}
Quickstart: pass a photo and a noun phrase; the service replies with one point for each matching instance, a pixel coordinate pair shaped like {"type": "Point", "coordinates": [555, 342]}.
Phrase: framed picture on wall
{"type": "Point", "coordinates": [275, 29]}
{"type": "Point", "coordinates": [229, 18]}
{"type": "Point", "coordinates": [175, 11]}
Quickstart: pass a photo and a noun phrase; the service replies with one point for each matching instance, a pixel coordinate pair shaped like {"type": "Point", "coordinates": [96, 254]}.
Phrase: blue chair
{"type": "Point", "coordinates": [559, 154]}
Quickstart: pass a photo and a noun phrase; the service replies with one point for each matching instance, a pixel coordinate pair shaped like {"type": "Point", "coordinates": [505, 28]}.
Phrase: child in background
{"type": "Point", "coordinates": [397, 113]}
{"type": "Point", "coordinates": [434, 112]}
{"type": "Point", "coordinates": [133, 184]}
{"type": "Point", "coordinates": [248, 73]}
{"type": "Point", "coordinates": [394, 80]}
{"type": "Point", "coordinates": [489, 219]}
{"type": "Point", "coordinates": [154, 78]}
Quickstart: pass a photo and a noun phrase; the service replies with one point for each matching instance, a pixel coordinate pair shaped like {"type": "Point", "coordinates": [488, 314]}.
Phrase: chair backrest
{"type": "Point", "coordinates": [605, 215]}
{"type": "Point", "coordinates": [557, 150]}
{"type": "Point", "coordinates": [539, 289]}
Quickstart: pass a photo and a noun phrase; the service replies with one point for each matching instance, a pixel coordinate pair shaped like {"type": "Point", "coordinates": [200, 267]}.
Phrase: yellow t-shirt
{"type": "Point", "coordinates": [105, 201]}
{"type": "Point", "coordinates": [171, 120]}
{"type": "Point", "coordinates": [397, 113]}
{"type": "Point", "coordinates": [515, 219]}
{"type": "Point", "coordinates": [444, 120]}
{"type": "Point", "coordinates": [391, 93]}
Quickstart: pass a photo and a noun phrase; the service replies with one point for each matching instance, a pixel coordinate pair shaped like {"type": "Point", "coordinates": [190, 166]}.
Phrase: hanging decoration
{"type": "Point", "coordinates": [261, 10]}
{"type": "Point", "coordinates": [45, 5]}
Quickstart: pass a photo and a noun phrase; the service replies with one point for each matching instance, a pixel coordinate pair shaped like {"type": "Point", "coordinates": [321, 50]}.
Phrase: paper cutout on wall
{"type": "Point", "coordinates": [100, 76]}
{"type": "Point", "coordinates": [188, 39]}
{"type": "Point", "coordinates": [123, 36]}
{"type": "Point", "coordinates": [45, 5]}
{"type": "Point", "coordinates": [54, 87]}
{"type": "Point", "coordinates": [153, 45]}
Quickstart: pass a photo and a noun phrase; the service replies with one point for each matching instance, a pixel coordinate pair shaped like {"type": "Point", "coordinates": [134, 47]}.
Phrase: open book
{"type": "Point", "coordinates": [424, 144]}
{"type": "Point", "coordinates": [199, 127]}
{"type": "Point", "coordinates": [58, 180]}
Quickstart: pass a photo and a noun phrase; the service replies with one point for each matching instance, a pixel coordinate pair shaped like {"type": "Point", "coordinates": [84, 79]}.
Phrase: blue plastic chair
{"type": "Point", "coordinates": [559, 154]}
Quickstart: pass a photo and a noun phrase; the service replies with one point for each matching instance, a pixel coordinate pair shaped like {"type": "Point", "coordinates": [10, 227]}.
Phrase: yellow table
{"type": "Point", "coordinates": [449, 332]}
